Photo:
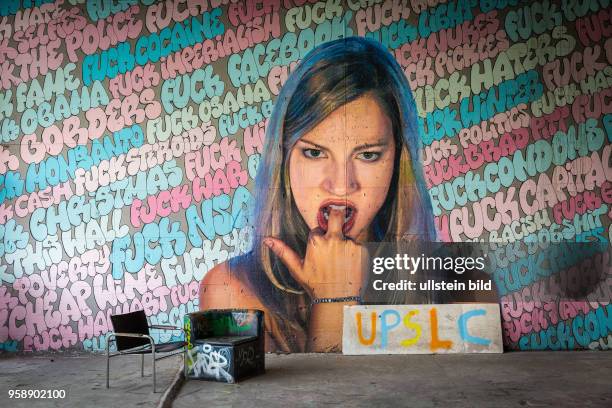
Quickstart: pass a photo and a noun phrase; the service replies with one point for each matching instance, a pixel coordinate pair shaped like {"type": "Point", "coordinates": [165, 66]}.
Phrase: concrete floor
{"type": "Point", "coordinates": [83, 376]}
{"type": "Point", "coordinates": [564, 379]}
{"type": "Point", "coordinates": [546, 379]}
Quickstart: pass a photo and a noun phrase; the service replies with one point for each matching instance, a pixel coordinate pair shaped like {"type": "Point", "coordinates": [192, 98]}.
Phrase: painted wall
{"type": "Point", "coordinates": [131, 133]}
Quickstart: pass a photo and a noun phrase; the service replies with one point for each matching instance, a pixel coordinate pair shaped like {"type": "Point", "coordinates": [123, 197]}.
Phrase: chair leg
{"type": "Point", "coordinates": [107, 366]}
{"type": "Point", "coordinates": [153, 354]}
{"type": "Point", "coordinates": [142, 365]}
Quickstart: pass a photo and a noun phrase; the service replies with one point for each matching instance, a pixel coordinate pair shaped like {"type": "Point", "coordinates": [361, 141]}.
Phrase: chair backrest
{"type": "Point", "coordinates": [225, 322]}
{"type": "Point", "coordinates": [134, 322]}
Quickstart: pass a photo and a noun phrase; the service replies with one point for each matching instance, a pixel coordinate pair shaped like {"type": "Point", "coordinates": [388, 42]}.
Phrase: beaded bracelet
{"type": "Point", "coordinates": [334, 300]}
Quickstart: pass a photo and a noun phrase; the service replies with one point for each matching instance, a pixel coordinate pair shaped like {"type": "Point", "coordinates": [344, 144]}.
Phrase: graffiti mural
{"type": "Point", "coordinates": [180, 155]}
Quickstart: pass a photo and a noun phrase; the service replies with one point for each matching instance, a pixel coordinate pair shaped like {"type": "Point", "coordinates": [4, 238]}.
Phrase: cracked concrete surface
{"type": "Point", "coordinates": [530, 379]}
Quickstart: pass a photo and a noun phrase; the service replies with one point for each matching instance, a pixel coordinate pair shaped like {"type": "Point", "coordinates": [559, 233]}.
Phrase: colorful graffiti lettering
{"type": "Point", "coordinates": [131, 134]}
{"type": "Point", "coordinates": [422, 329]}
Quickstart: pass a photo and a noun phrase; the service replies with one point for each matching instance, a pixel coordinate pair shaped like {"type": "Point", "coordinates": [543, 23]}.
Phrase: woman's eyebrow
{"type": "Point", "coordinates": [358, 148]}
{"type": "Point", "coordinates": [370, 145]}
{"type": "Point", "coordinates": [318, 146]}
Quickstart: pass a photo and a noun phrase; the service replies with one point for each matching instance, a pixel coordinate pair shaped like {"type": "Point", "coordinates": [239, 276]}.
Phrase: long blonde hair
{"type": "Point", "coordinates": [330, 76]}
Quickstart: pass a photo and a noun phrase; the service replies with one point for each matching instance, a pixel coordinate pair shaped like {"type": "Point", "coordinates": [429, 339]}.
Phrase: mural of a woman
{"type": "Point", "coordinates": [341, 167]}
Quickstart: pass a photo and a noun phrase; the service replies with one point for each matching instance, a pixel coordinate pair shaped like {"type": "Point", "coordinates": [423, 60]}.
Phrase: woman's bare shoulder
{"type": "Point", "coordinates": [227, 273]}
{"type": "Point", "coordinates": [224, 287]}
{"type": "Point", "coordinates": [219, 275]}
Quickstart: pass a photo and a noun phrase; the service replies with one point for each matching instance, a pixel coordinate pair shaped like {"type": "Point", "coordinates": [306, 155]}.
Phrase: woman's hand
{"type": "Point", "coordinates": [333, 266]}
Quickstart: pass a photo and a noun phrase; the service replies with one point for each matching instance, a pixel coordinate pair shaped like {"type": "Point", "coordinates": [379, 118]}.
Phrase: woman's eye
{"type": "Point", "coordinates": [369, 156]}
{"type": "Point", "coordinates": [313, 153]}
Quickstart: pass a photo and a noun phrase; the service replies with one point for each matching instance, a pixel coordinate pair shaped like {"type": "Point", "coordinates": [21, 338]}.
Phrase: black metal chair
{"type": "Point", "coordinates": [224, 345]}
{"type": "Point", "coordinates": [131, 336]}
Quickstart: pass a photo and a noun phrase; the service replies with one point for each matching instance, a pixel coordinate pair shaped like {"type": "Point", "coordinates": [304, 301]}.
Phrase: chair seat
{"type": "Point", "coordinates": [225, 340]}
{"type": "Point", "coordinates": [170, 346]}
{"type": "Point", "coordinates": [159, 348]}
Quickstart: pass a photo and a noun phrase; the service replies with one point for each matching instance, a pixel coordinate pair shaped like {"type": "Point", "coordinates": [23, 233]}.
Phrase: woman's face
{"type": "Point", "coordinates": [346, 161]}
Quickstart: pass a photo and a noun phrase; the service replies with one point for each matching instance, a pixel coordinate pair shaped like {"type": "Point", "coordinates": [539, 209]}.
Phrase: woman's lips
{"type": "Point", "coordinates": [350, 213]}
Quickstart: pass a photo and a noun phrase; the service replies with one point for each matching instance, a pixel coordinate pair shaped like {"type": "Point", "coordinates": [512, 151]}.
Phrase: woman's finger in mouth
{"type": "Point", "coordinates": [347, 211]}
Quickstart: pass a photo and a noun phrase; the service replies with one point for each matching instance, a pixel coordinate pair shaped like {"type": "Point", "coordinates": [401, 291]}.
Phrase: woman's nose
{"type": "Point", "coordinates": [340, 179]}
